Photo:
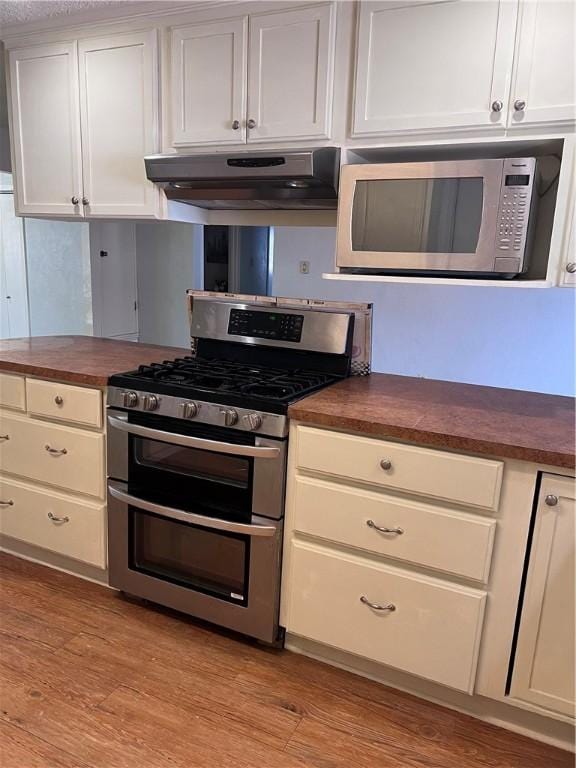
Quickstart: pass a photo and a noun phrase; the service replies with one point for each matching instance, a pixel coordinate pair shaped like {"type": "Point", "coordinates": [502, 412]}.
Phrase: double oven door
{"type": "Point", "coordinates": [195, 518]}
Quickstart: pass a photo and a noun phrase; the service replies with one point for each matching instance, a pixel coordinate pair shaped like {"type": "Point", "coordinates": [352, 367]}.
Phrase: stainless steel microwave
{"type": "Point", "coordinates": [470, 217]}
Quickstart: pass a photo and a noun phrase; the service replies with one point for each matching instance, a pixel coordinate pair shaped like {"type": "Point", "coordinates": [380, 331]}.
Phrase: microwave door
{"type": "Point", "coordinates": [419, 217]}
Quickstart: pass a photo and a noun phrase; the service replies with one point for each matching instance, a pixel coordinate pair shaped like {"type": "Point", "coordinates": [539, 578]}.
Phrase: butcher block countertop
{"type": "Point", "coordinates": [485, 420]}
{"type": "Point", "coordinates": [79, 359]}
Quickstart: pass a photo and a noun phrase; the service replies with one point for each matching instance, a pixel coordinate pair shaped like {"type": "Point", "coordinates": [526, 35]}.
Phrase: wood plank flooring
{"type": "Point", "coordinates": [91, 680]}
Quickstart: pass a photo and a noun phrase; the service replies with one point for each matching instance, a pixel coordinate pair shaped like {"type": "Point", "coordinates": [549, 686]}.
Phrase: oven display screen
{"type": "Point", "coordinates": [517, 180]}
{"type": "Point", "coordinates": [266, 325]}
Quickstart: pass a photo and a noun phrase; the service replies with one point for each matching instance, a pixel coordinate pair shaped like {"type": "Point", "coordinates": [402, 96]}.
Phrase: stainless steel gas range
{"type": "Point", "coordinates": [197, 452]}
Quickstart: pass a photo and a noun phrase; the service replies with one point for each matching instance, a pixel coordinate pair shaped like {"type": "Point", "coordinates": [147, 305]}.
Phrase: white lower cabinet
{"type": "Point", "coordinates": [544, 667]}
{"type": "Point", "coordinates": [69, 526]}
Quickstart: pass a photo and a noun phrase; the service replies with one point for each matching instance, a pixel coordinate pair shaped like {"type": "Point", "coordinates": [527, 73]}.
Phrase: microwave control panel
{"type": "Point", "coordinates": [514, 209]}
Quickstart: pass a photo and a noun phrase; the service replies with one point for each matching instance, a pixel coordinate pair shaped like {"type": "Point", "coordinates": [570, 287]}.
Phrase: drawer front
{"type": "Point", "coordinates": [62, 456]}
{"type": "Point", "coordinates": [433, 633]}
{"type": "Point", "coordinates": [433, 537]}
{"type": "Point", "coordinates": [78, 405]}
{"type": "Point", "coordinates": [12, 392]}
{"type": "Point", "coordinates": [449, 476]}
{"type": "Point", "coordinates": [68, 526]}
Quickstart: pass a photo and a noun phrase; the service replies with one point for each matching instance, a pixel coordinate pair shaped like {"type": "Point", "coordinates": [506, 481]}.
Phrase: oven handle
{"type": "Point", "coordinates": [256, 452]}
{"type": "Point", "coordinates": [116, 490]}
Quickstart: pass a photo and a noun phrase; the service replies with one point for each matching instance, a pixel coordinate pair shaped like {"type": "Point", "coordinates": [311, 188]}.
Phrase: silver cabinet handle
{"type": "Point", "coordinates": [251, 123]}
{"type": "Point", "coordinates": [235, 125]}
{"type": "Point", "coordinates": [382, 529]}
{"type": "Point", "coordinates": [4, 437]}
{"type": "Point", "coordinates": [59, 400]}
{"type": "Point", "coordinates": [85, 201]}
{"type": "Point", "coordinates": [8, 503]}
{"type": "Point", "coordinates": [519, 105]}
{"type": "Point", "coordinates": [74, 200]}
{"type": "Point", "coordinates": [58, 519]}
{"type": "Point", "coordinates": [551, 500]}
{"type": "Point", "coordinates": [376, 606]}
{"type": "Point", "coordinates": [56, 451]}
{"type": "Point", "coordinates": [386, 464]}
{"type": "Point", "coordinates": [497, 105]}
{"type": "Point", "coordinates": [571, 267]}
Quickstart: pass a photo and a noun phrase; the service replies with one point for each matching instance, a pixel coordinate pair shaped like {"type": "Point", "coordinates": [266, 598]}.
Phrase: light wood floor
{"type": "Point", "coordinates": [88, 679]}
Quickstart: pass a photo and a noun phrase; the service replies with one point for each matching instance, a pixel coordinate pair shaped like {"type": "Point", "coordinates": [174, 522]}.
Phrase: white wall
{"type": "Point", "coordinates": [4, 139]}
{"type": "Point", "coordinates": [170, 260]}
{"type": "Point", "coordinates": [502, 337]}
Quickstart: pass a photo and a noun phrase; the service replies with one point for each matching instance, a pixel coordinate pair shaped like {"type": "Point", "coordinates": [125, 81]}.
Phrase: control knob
{"type": "Point", "coordinates": [252, 420]}
{"type": "Point", "coordinates": [188, 410]}
{"type": "Point", "coordinates": [150, 402]}
{"type": "Point", "coordinates": [230, 416]}
{"type": "Point", "coordinates": [129, 399]}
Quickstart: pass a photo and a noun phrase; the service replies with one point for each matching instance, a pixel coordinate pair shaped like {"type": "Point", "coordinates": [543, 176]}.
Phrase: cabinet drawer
{"type": "Point", "coordinates": [78, 405]}
{"type": "Point", "coordinates": [12, 392]}
{"type": "Point", "coordinates": [450, 476]}
{"type": "Point", "coordinates": [71, 527]}
{"type": "Point", "coordinates": [433, 632]}
{"type": "Point", "coordinates": [433, 537]}
{"type": "Point", "coordinates": [63, 456]}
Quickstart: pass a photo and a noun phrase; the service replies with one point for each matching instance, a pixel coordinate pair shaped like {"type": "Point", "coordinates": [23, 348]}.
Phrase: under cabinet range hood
{"type": "Point", "coordinates": [296, 179]}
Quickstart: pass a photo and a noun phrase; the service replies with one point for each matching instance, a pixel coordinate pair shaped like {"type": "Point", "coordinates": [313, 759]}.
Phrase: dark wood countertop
{"type": "Point", "coordinates": [79, 359]}
{"type": "Point", "coordinates": [498, 422]}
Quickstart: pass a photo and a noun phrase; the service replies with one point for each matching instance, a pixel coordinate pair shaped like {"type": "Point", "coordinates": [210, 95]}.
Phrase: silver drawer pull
{"type": "Point", "coordinates": [382, 529]}
{"type": "Point", "coordinates": [375, 606]}
{"type": "Point", "coordinates": [59, 400]}
{"type": "Point", "coordinates": [58, 519]}
{"type": "Point", "coordinates": [386, 464]}
{"type": "Point", "coordinates": [4, 437]}
{"type": "Point", "coordinates": [56, 451]}
{"type": "Point", "coordinates": [8, 503]}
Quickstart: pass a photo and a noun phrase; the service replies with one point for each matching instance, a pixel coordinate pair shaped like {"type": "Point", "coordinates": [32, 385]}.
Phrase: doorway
{"type": "Point", "coordinates": [238, 259]}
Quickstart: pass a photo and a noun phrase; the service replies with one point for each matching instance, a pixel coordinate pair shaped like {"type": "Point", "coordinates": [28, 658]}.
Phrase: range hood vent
{"type": "Point", "coordinates": [297, 179]}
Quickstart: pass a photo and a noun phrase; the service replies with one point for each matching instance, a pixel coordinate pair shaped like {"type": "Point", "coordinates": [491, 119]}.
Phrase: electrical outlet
{"type": "Point", "coordinates": [305, 267]}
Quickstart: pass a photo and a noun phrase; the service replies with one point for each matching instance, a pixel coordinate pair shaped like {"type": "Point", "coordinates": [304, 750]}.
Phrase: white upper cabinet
{"type": "Point", "coordinates": [208, 82]}
{"type": "Point", "coordinates": [46, 129]}
{"type": "Point", "coordinates": [119, 115]}
{"type": "Point", "coordinates": [290, 65]}
{"type": "Point", "coordinates": [544, 87]}
{"type": "Point", "coordinates": [433, 66]}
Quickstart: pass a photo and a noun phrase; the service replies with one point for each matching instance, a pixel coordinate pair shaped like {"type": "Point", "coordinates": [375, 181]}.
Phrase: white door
{"type": "Point", "coordinates": [544, 668]}
{"type": "Point", "coordinates": [14, 320]}
{"type": "Point", "coordinates": [568, 276]}
{"type": "Point", "coordinates": [290, 74]}
{"type": "Point", "coordinates": [46, 129]}
{"type": "Point", "coordinates": [433, 66]}
{"type": "Point", "coordinates": [208, 79]}
{"type": "Point", "coordinates": [119, 116]}
{"type": "Point", "coordinates": [544, 89]}
{"type": "Point", "coordinates": [114, 279]}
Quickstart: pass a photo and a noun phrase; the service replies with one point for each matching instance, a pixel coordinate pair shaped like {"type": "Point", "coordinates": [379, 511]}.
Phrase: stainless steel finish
{"type": "Point", "coordinates": [571, 267]}
{"type": "Point", "coordinates": [117, 422]}
{"type": "Point", "coordinates": [251, 123]}
{"type": "Point", "coordinates": [55, 451]}
{"type": "Point", "coordinates": [235, 125]}
{"type": "Point", "coordinates": [85, 201]}
{"type": "Point", "coordinates": [382, 529]}
{"type": "Point", "coordinates": [497, 105]}
{"type": "Point", "coordinates": [519, 105]}
{"type": "Point", "coordinates": [551, 500]}
{"type": "Point", "coordinates": [273, 424]}
{"type": "Point", "coordinates": [117, 490]}
{"type": "Point", "coordinates": [253, 421]}
{"type": "Point", "coordinates": [376, 606]}
{"type": "Point", "coordinates": [4, 437]}
{"type": "Point", "coordinates": [250, 180]}
{"type": "Point", "coordinates": [74, 200]}
{"type": "Point", "coordinates": [58, 519]}
{"type": "Point", "coordinates": [188, 410]}
{"type": "Point", "coordinates": [230, 416]}
{"type": "Point", "coordinates": [386, 464]}
{"type": "Point", "coordinates": [130, 399]}
{"type": "Point", "coordinates": [9, 503]}
{"type": "Point", "coordinates": [59, 400]}
{"type": "Point", "coordinates": [150, 402]}
{"type": "Point", "coordinates": [321, 331]}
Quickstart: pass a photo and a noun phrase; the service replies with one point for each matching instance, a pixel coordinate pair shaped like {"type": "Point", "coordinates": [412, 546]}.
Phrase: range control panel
{"type": "Point", "coordinates": [277, 326]}
{"type": "Point", "coordinates": [514, 208]}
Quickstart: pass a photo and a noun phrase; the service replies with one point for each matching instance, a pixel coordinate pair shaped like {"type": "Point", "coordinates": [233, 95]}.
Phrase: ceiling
{"type": "Point", "coordinates": [23, 11]}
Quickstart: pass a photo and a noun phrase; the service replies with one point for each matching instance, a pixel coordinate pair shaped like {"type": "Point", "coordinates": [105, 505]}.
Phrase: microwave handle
{"type": "Point", "coordinates": [255, 452]}
{"type": "Point", "coordinates": [116, 490]}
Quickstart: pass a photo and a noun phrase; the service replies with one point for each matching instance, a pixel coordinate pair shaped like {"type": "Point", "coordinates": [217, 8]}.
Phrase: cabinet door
{"type": "Point", "coordinates": [208, 80]}
{"type": "Point", "coordinates": [46, 129]}
{"type": "Point", "coordinates": [290, 65]}
{"type": "Point", "coordinates": [545, 79]}
{"type": "Point", "coordinates": [544, 669]}
{"type": "Point", "coordinates": [119, 115]}
{"type": "Point", "coordinates": [568, 276]}
{"type": "Point", "coordinates": [433, 66]}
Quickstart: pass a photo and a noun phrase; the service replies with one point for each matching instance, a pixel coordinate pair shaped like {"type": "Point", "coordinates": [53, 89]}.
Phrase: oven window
{"type": "Point", "coordinates": [417, 215]}
{"type": "Point", "coordinates": [209, 561]}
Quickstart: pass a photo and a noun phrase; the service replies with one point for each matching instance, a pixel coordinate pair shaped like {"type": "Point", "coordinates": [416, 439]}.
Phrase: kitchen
{"type": "Point", "coordinates": [347, 501]}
